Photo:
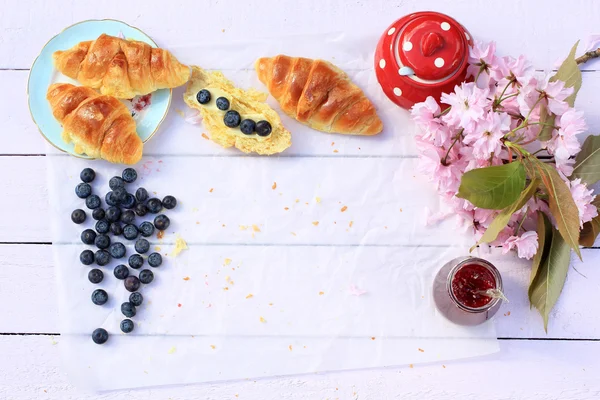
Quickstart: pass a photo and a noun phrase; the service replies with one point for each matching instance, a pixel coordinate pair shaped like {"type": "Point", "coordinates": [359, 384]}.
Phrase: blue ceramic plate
{"type": "Point", "coordinates": [147, 116]}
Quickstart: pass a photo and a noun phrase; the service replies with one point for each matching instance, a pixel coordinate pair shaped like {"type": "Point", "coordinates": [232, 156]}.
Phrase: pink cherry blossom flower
{"type": "Point", "coordinates": [486, 138]}
{"type": "Point", "coordinates": [593, 43]}
{"type": "Point", "coordinates": [514, 72]}
{"type": "Point", "coordinates": [432, 127]}
{"type": "Point", "coordinates": [564, 142]}
{"type": "Point", "coordinates": [526, 244]}
{"type": "Point", "coordinates": [482, 60]}
{"type": "Point", "coordinates": [193, 117]}
{"type": "Point", "coordinates": [447, 177]}
{"type": "Point", "coordinates": [469, 103]}
{"type": "Point", "coordinates": [556, 93]}
{"type": "Point", "coordinates": [583, 198]}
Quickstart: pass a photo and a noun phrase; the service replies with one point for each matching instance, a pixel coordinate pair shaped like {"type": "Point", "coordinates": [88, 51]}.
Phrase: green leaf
{"type": "Point", "coordinates": [562, 206]}
{"type": "Point", "coordinates": [570, 74]}
{"type": "Point", "coordinates": [550, 277]}
{"type": "Point", "coordinates": [544, 231]}
{"type": "Point", "coordinates": [494, 187]}
{"type": "Point", "coordinates": [548, 118]}
{"type": "Point", "coordinates": [501, 220]}
{"type": "Point", "coordinates": [587, 163]}
{"type": "Point", "coordinates": [590, 230]}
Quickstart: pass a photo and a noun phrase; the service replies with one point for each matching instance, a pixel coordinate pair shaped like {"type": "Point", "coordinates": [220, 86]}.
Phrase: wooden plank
{"type": "Point", "coordinates": [534, 370]}
{"type": "Point", "coordinates": [28, 27]}
{"type": "Point", "coordinates": [30, 301]}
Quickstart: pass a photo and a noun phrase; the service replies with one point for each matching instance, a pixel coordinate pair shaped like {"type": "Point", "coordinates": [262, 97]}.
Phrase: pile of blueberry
{"type": "Point", "coordinates": [118, 219]}
{"type": "Point", "coordinates": [232, 118]}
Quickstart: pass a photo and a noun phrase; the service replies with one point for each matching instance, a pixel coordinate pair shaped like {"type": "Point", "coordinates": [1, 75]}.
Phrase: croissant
{"type": "Point", "coordinates": [318, 94]}
{"type": "Point", "coordinates": [99, 125]}
{"type": "Point", "coordinates": [121, 68]}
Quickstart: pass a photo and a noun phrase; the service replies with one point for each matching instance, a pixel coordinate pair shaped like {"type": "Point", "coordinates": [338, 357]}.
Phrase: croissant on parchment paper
{"type": "Point", "coordinates": [121, 68]}
{"type": "Point", "coordinates": [318, 94]}
{"type": "Point", "coordinates": [98, 125]}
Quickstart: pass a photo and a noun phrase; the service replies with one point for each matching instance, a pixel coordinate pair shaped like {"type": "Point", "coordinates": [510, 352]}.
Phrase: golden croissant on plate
{"type": "Point", "coordinates": [121, 68]}
{"type": "Point", "coordinates": [98, 125]}
{"type": "Point", "coordinates": [318, 94]}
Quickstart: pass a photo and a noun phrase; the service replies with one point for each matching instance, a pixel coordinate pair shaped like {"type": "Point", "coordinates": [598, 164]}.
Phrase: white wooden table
{"type": "Point", "coordinates": [562, 364]}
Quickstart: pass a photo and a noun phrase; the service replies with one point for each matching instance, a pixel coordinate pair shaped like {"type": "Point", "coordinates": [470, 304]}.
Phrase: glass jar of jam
{"type": "Point", "coordinates": [464, 290]}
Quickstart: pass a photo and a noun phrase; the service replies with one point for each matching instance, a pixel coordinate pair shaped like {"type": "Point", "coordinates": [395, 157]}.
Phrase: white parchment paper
{"type": "Point", "coordinates": [315, 260]}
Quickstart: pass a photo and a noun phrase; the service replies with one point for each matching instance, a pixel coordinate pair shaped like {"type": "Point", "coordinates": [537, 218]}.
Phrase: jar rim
{"type": "Point", "coordinates": [483, 263]}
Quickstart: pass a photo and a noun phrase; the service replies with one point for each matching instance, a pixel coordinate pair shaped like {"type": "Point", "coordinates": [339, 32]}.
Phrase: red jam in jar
{"type": "Point", "coordinates": [459, 290]}
{"type": "Point", "coordinates": [470, 283]}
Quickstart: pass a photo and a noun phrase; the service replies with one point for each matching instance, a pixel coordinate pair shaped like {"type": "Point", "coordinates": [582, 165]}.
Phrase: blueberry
{"type": "Point", "coordinates": [222, 103]}
{"type": "Point", "coordinates": [78, 216]}
{"type": "Point", "coordinates": [136, 261]}
{"type": "Point", "coordinates": [247, 127]}
{"type": "Point", "coordinates": [127, 326]}
{"type": "Point", "coordinates": [232, 118]}
{"type": "Point", "coordinates": [155, 260]}
{"type": "Point", "coordinates": [92, 202]}
{"type": "Point", "coordinates": [95, 275]}
{"type": "Point", "coordinates": [102, 241]}
{"type": "Point", "coordinates": [100, 336]}
{"type": "Point", "coordinates": [102, 257]}
{"type": "Point", "coordinates": [142, 246]}
{"type": "Point", "coordinates": [86, 257]}
{"type": "Point", "coordinates": [154, 205]}
{"type": "Point", "coordinates": [98, 214]}
{"type": "Point", "coordinates": [83, 190]}
{"type": "Point", "coordinates": [128, 309]}
{"type": "Point", "coordinates": [88, 236]}
{"type": "Point", "coordinates": [113, 213]}
{"type": "Point", "coordinates": [263, 128]}
{"type": "Point", "coordinates": [102, 226]}
{"type": "Point", "coordinates": [116, 182]}
{"type": "Point", "coordinates": [129, 175]}
{"type": "Point", "coordinates": [169, 202]}
{"type": "Point", "coordinates": [110, 199]}
{"type": "Point", "coordinates": [147, 229]}
{"type": "Point", "coordinates": [130, 232]}
{"type": "Point", "coordinates": [132, 283]}
{"type": "Point", "coordinates": [99, 297]}
{"type": "Point", "coordinates": [127, 217]}
{"type": "Point", "coordinates": [116, 228]}
{"type": "Point", "coordinates": [119, 194]}
{"type": "Point", "coordinates": [146, 276]}
{"type": "Point", "coordinates": [136, 299]}
{"type": "Point", "coordinates": [87, 175]}
{"type": "Point", "coordinates": [129, 201]}
{"type": "Point", "coordinates": [117, 250]}
{"type": "Point", "coordinates": [141, 209]}
{"type": "Point", "coordinates": [141, 194]}
{"type": "Point", "coordinates": [162, 222]}
{"type": "Point", "coordinates": [121, 271]}
{"type": "Point", "coordinates": [203, 96]}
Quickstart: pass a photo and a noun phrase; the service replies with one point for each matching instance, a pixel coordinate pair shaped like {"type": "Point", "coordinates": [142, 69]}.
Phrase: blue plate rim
{"type": "Point", "coordinates": [40, 53]}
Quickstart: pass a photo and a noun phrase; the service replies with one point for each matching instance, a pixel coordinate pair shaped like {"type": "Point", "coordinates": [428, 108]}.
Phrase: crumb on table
{"type": "Point", "coordinates": [274, 186]}
{"type": "Point", "coordinates": [315, 223]}
{"type": "Point", "coordinates": [344, 208]}
{"type": "Point", "coordinates": [205, 136]}
{"type": "Point", "coordinates": [261, 319]}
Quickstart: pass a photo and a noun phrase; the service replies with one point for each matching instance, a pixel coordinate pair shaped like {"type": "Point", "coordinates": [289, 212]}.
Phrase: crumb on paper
{"type": "Point", "coordinates": [321, 293]}
{"type": "Point", "coordinates": [160, 234]}
{"type": "Point", "coordinates": [286, 208]}
{"type": "Point", "coordinates": [52, 341]}
{"type": "Point", "coordinates": [421, 350]}
{"type": "Point", "coordinates": [226, 261]}
{"type": "Point", "coordinates": [223, 30]}
{"type": "Point", "coordinates": [410, 366]}
{"type": "Point", "coordinates": [290, 347]}
{"type": "Point", "coordinates": [443, 366]}
{"type": "Point", "coordinates": [262, 319]}
{"type": "Point", "coordinates": [372, 337]}
{"type": "Point", "coordinates": [355, 291]}
{"type": "Point", "coordinates": [350, 224]}
{"type": "Point", "coordinates": [205, 136]}
{"type": "Point", "coordinates": [255, 228]}
{"type": "Point", "coordinates": [187, 278]}
{"type": "Point", "coordinates": [344, 208]}
{"type": "Point", "coordinates": [315, 223]}
{"type": "Point", "coordinates": [336, 151]}
{"type": "Point", "coordinates": [293, 233]}
{"type": "Point", "coordinates": [197, 222]}
{"type": "Point", "coordinates": [223, 225]}
{"type": "Point", "coordinates": [180, 245]}
{"type": "Point", "coordinates": [318, 199]}
{"type": "Point", "coordinates": [271, 304]}
{"type": "Point", "coordinates": [146, 372]}
{"type": "Point", "coordinates": [250, 295]}
{"type": "Point", "coordinates": [172, 350]}
{"type": "Point", "coordinates": [400, 210]}
{"type": "Point", "coordinates": [212, 346]}
{"type": "Point", "coordinates": [274, 186]}
{"type": "Point", "coordinates": [297, 200]}
{"type": "Point", "coordinates": [211, 190]}
{"type": "Point", "coordinates": [306, 203]}
{"type": "Point", "coordinates": [243, 227]}
{"type": "Point", "coordinates": [181, 113]}
{"type": "Point", "coordinates": [179, 305]}
{"type": "Point", "coordinates": [332, 143]}
{"type": "Point", "coordinates": [385, 227]}
{"type": "Point", "coordinates": [506, 314]}
{"type": "Point", "coordinates": [226, 288]}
